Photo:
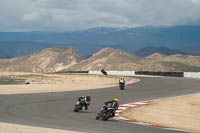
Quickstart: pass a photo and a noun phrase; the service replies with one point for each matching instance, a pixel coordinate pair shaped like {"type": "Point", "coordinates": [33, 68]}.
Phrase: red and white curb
{"type": "Point", "coordinates": [134, 80]}
{"type": "Point", "coordinates": [126, 106]}
{"type": "Point", "coordinates": [130, 105]}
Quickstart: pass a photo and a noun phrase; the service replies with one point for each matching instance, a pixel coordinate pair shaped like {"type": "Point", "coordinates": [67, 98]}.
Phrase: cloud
{"type": "Point", "coordinates": [64, 15]}
{"type": "Point", "coordinates": [34, 16]}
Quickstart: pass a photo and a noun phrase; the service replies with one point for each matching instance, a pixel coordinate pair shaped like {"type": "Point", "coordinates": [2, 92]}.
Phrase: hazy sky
{"type": "Point", "coordinates": [65, 15]}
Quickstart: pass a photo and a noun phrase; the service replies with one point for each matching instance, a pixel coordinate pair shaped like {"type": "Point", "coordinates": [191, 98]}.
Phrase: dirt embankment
{"type": "Point", "coordinates": [179, 112]}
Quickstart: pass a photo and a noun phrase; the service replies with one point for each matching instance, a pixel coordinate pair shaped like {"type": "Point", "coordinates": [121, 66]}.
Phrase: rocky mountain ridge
{"type": "Point", "coordinates": [44, 61]}
{"type": "Point", "coordinates": [66, 59]}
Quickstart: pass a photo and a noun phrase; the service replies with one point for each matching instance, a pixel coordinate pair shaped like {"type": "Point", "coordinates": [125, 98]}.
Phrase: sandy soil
{"type": "Point", "coordinates": [14, 128]}
{"type": "Point", "coordinates": [179, 112]}
{"type": "Point", "coordinates": [41, 83]}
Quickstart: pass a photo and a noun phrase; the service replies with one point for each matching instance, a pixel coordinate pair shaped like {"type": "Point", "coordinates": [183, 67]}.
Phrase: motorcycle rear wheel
{"type": "Point", "coordinates": [97, 117]}
{"type": "Point", "coordinates": [107, 116]}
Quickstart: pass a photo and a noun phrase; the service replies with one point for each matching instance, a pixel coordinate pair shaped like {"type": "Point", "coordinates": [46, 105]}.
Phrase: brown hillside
{"type": "Point", "coordinates": [185, 59]}
{"type": "Point", "coordinates": [174, 63]}
{"type": "Point", "coordinates": [44, 61]}
{"type": "Point", "coordinates": [110, 59]}
{"type": "Point", "coordinates": [156, 56]}
{"type": "Point", "coordinates": [63, 59]}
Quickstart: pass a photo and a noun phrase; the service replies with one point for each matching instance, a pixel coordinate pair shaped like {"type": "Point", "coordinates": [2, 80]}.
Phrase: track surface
{"type": "Point", "coordinates": [54, 110]}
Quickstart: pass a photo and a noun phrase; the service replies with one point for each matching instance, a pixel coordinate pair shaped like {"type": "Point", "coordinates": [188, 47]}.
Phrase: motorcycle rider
{"type": "Point", "coordinates": [103, 72]}
{"type": "Point", "coordinates": [85, 101]}
{"type": "Point", "coordinates": [114, 104]}
{"type": "Point", "coordinates": [122, 81]}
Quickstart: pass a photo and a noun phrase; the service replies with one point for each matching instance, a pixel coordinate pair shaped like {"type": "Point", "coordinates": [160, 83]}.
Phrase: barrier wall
{"type": "Point", "coordinates": [192, 74]}
{"type": "Point", "coordinates": [171, 74]}
{"type": "Point", "coordinates": [72, 72]}
{"type": "Point", "coordinates": [95, 72]}
{"type": "Point", "coordinates": [132, 73]}
{"type": "Point", "coordinates": [124, 73]}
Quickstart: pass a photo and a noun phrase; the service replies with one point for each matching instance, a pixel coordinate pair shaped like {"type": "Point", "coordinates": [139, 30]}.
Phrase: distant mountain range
{"type": "Point", "coordinates": [66, 59]}
{"type": "Point", "coordinates": [183, 39]}
{"type": "Point", "coordinates": [163, 50]}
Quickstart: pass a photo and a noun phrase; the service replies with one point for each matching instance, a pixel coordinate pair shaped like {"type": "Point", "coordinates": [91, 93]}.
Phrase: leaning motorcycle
{"type": "Point", "coordinates": [78, 106]}
{"type": "Point", "coordinates": [105, 113]}
{"type": "Point", "coordinates": [81, 103]}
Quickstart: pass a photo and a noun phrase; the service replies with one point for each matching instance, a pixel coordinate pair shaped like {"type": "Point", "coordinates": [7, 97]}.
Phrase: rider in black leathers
{"type": "Point", "coordinates": [85, 101]}
{"type": "Point", "coordinates": [113, 104]}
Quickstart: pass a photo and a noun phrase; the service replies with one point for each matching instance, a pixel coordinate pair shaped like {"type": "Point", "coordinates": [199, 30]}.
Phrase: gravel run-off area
{"type": "Point", "coordinates": [181, 112]}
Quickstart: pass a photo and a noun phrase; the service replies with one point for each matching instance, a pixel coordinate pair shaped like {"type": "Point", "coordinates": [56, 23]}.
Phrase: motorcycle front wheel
{"type": "Point", "coordinates": [77, 108]}
{"type": "Point", "coordinates": [97, 117]}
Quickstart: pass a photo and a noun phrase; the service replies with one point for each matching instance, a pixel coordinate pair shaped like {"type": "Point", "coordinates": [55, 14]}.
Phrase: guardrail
{"type": "Point", "coordinates": [72, 72]}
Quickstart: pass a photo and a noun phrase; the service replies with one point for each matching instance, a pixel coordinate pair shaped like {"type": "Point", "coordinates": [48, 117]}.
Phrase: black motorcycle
{"type": "Point", "coordinates": [82, 102]}
{"type": "Point", "coordinates": [104, 72]}
{"type": "Point", "coordinates": [122, 86]}
{"type": "Point", "coordinates": [105, 113]}
{"type": "Point", "coordinates": [78, 106]}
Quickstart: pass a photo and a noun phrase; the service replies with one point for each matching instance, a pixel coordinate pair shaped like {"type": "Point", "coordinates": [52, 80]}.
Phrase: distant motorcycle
{"type": "Point", "coordinates": [105, 113]}
{"type": "Point", "coordinates": [82, 102]}
{"type": "Point", "coordinates": [104, 72]}
{"type": "Point", "coordinates": [122, 86]}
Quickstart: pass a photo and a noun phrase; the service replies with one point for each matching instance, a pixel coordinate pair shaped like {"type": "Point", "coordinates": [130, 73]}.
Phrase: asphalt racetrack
{"type": "Point", "coordinates": [55, 110]}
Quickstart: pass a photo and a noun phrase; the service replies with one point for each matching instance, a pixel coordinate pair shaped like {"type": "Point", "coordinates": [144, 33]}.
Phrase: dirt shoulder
{"type": "Point", "coordinates": [41, 83]}
{"type": "Point", "coordinates": [15, 128]}
{"type": "Point", "coordinates": [179, 112]}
